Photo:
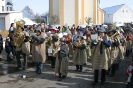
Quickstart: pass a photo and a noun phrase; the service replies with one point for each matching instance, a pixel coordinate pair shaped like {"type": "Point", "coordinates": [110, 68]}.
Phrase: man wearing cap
{"type": "Point", "coordinates": [38, 50]}
{"type": "Point", "coordinates": [100, 55]}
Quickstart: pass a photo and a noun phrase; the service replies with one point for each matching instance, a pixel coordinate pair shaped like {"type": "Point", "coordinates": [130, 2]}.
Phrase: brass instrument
{"type": "Point", "coordinates": [77, 43]}
{"type": "Point", "coordinates": [48, 41]}
{"type": "Point", "coordinates": [18, 35]}
{"type": "Point", "coordinates": [116, 34]}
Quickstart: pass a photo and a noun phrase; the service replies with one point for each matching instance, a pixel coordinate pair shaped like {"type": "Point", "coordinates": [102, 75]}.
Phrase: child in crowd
{"type": "Point", "coordinates": [8, 49]}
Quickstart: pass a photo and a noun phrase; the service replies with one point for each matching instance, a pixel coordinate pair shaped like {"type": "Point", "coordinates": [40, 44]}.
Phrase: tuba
{"type": "Point", "coordinates": [18, 35]}
{"type": "Point", "coordinates": [116, 34]}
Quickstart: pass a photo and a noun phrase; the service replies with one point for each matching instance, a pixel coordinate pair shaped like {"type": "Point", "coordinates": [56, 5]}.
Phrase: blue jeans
{"type": "Point", "coordinates": [39, 66]}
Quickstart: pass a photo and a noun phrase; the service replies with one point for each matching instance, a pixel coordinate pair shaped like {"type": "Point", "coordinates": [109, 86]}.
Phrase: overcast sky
{"type": "Point", "coordinates": [42, 6]}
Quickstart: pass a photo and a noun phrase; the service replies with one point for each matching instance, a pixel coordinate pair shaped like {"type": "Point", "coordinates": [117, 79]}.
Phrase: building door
{"type": "Point", "coordinates": [2, 24]}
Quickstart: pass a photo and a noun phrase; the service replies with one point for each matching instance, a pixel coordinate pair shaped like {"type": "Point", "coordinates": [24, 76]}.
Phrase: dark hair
{"type": "Point", "coordinates": [11, 25]}
{"type": "Point", "coordinates": [25, 26]}
{"type": "Point", "coordinates": [34, 25]}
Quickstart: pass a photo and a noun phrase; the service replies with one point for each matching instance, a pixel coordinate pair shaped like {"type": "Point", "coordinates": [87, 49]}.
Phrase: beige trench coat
{"type": "Point", "coordinates": [100, 61]}
{"type": "Point", "coordinates": [80, 56]}
{"type": "Point", "coordinates": [63, 66]}
{"type": "Point", "coordinates": [38, 51]}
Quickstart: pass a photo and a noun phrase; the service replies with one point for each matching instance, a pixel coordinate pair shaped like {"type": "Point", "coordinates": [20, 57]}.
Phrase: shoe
{"type": "Point", "coordinates": [36, 71]}
{"type": "Point", "coordinates": [19, 69]}
{"type": "Point", "coordinates": [112, 75]}
{"type": "Point", "coordinates": [60, 79]}
{"type": "Point", "coordinates": [85, 64]}
{"type": "Point", "coordinates": [102, 83]}
{"type": "Point", "coordinates": [59, 75]}
{"type": "Point", "coordinates": [94, 83]}
{"type": "Point", "coordinates": [80, 70]}
{"type": "Point", "coordinates": [23, 68]}
{"type": "Point", "coordinates": [39, 72]}
{"type": "Point", "coordinates": [76, 70]}
{"type": "Point", "coordinates": [63, 77]}
{"type": "Point", "coordinates": [107, 73]}
{"type": "Point", "coordinates": [52, 66]}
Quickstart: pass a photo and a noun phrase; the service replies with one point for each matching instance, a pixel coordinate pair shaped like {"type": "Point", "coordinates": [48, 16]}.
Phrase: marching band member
{"type": "Point", "coordinates": [87, 34]}
{"type": "Point", "coordinates": [100, 56]}
{"type": "Point", "coordinates": [38, 50]}
{"type": "Point", "coordinates": [79, 56]}
{"type": "Point", "coordinates": [69, 42]}
{"type": "Point", "coordinates": [51, 44]}
{"type": "Point", "coordinates": [19, 52]}
{"type": "Point", "coordinates": [62, 60]}
{"type": "Point", "coordinates": [116, 53]}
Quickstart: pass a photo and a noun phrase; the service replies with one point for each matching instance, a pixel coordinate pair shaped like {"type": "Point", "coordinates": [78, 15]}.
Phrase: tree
{"type": "Point", "coordinates": [29, 10]}
{"type": "Point", "coordinates": [88, 20]}
{"type": "Point", "coordinates": [45, 14]}
{"type": "Point", "coordinates": [38, 18]}
{"type": "Point", "coordinates": [54, 19]}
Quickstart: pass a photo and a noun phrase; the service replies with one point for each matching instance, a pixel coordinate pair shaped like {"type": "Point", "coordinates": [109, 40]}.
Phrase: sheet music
{"type": "Point", "coordinates": [49, 50]}
{"type": "Point", "coordinates": [84, 37]}
{"type": "Point", "coordinates": [94, 37]}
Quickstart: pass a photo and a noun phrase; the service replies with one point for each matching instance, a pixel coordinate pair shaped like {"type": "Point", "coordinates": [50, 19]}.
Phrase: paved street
{"type": "Point", "coordinates": [49, 80]}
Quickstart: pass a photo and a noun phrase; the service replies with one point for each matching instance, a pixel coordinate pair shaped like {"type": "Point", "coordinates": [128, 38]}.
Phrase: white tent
{"type": "Point", "coordinates": [28, 21]}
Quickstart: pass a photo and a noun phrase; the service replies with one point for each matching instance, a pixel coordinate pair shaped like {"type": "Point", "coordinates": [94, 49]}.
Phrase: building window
{"type": "Point", "coordinates": [127, 11]}
{"type": "Point", "coordinates": [7, 8]}
{"type": "Point", "coordinates": [2, 8]}
{"type": "Point", "coordinates": [123, 11]}
{"type": "Point", "coordinates": [2, 0]}
{"type": "Point", "coordinates": [10, 8]}
{"type": "Point", "coordinates": [108, 15]}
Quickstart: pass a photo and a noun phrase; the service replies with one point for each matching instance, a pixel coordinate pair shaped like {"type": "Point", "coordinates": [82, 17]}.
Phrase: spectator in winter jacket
{"type": "Point", "coordinates": [129, 73]}
{"type": "Point", "coordinates": [8, 49]}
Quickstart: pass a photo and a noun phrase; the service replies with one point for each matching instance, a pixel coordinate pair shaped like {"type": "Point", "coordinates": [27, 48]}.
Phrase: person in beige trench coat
{"type": "Point", "coordinates": [116, 53]}
{"type": "Point", "coordinates": [62, 60]}
{"type": "Point", "coordinates": [100, 56]}
{"type": "Point", "coordinates": [80, 56]}
{"type": "Point", "coordinates": [38, 51]}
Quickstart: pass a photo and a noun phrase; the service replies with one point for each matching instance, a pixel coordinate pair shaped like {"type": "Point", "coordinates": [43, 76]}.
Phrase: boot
{"type": "Point", "coordinates": [77, 67]}
{"type": "Point", "coordinates": [80, 68]}
{"type": "Point", "coordinates": [59, 75]}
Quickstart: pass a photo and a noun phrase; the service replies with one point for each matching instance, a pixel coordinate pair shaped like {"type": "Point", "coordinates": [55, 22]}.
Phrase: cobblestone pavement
{"type": "Point", "coordinates": [49, 80]}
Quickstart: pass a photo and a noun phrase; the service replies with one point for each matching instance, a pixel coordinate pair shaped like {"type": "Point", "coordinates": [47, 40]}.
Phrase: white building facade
{"type": "Point", "coordinates": [119, 14]}
{"type": "Point", "coordinates": [6, 18]}
{"type": "Point", "coordinates": [6, 5]}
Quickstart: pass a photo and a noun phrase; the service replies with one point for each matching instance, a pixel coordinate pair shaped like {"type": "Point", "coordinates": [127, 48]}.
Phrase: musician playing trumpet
{"type": "Point", "coordinates": [80, 56]}
{"type": "Point", "coordinates": [100, 55]}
